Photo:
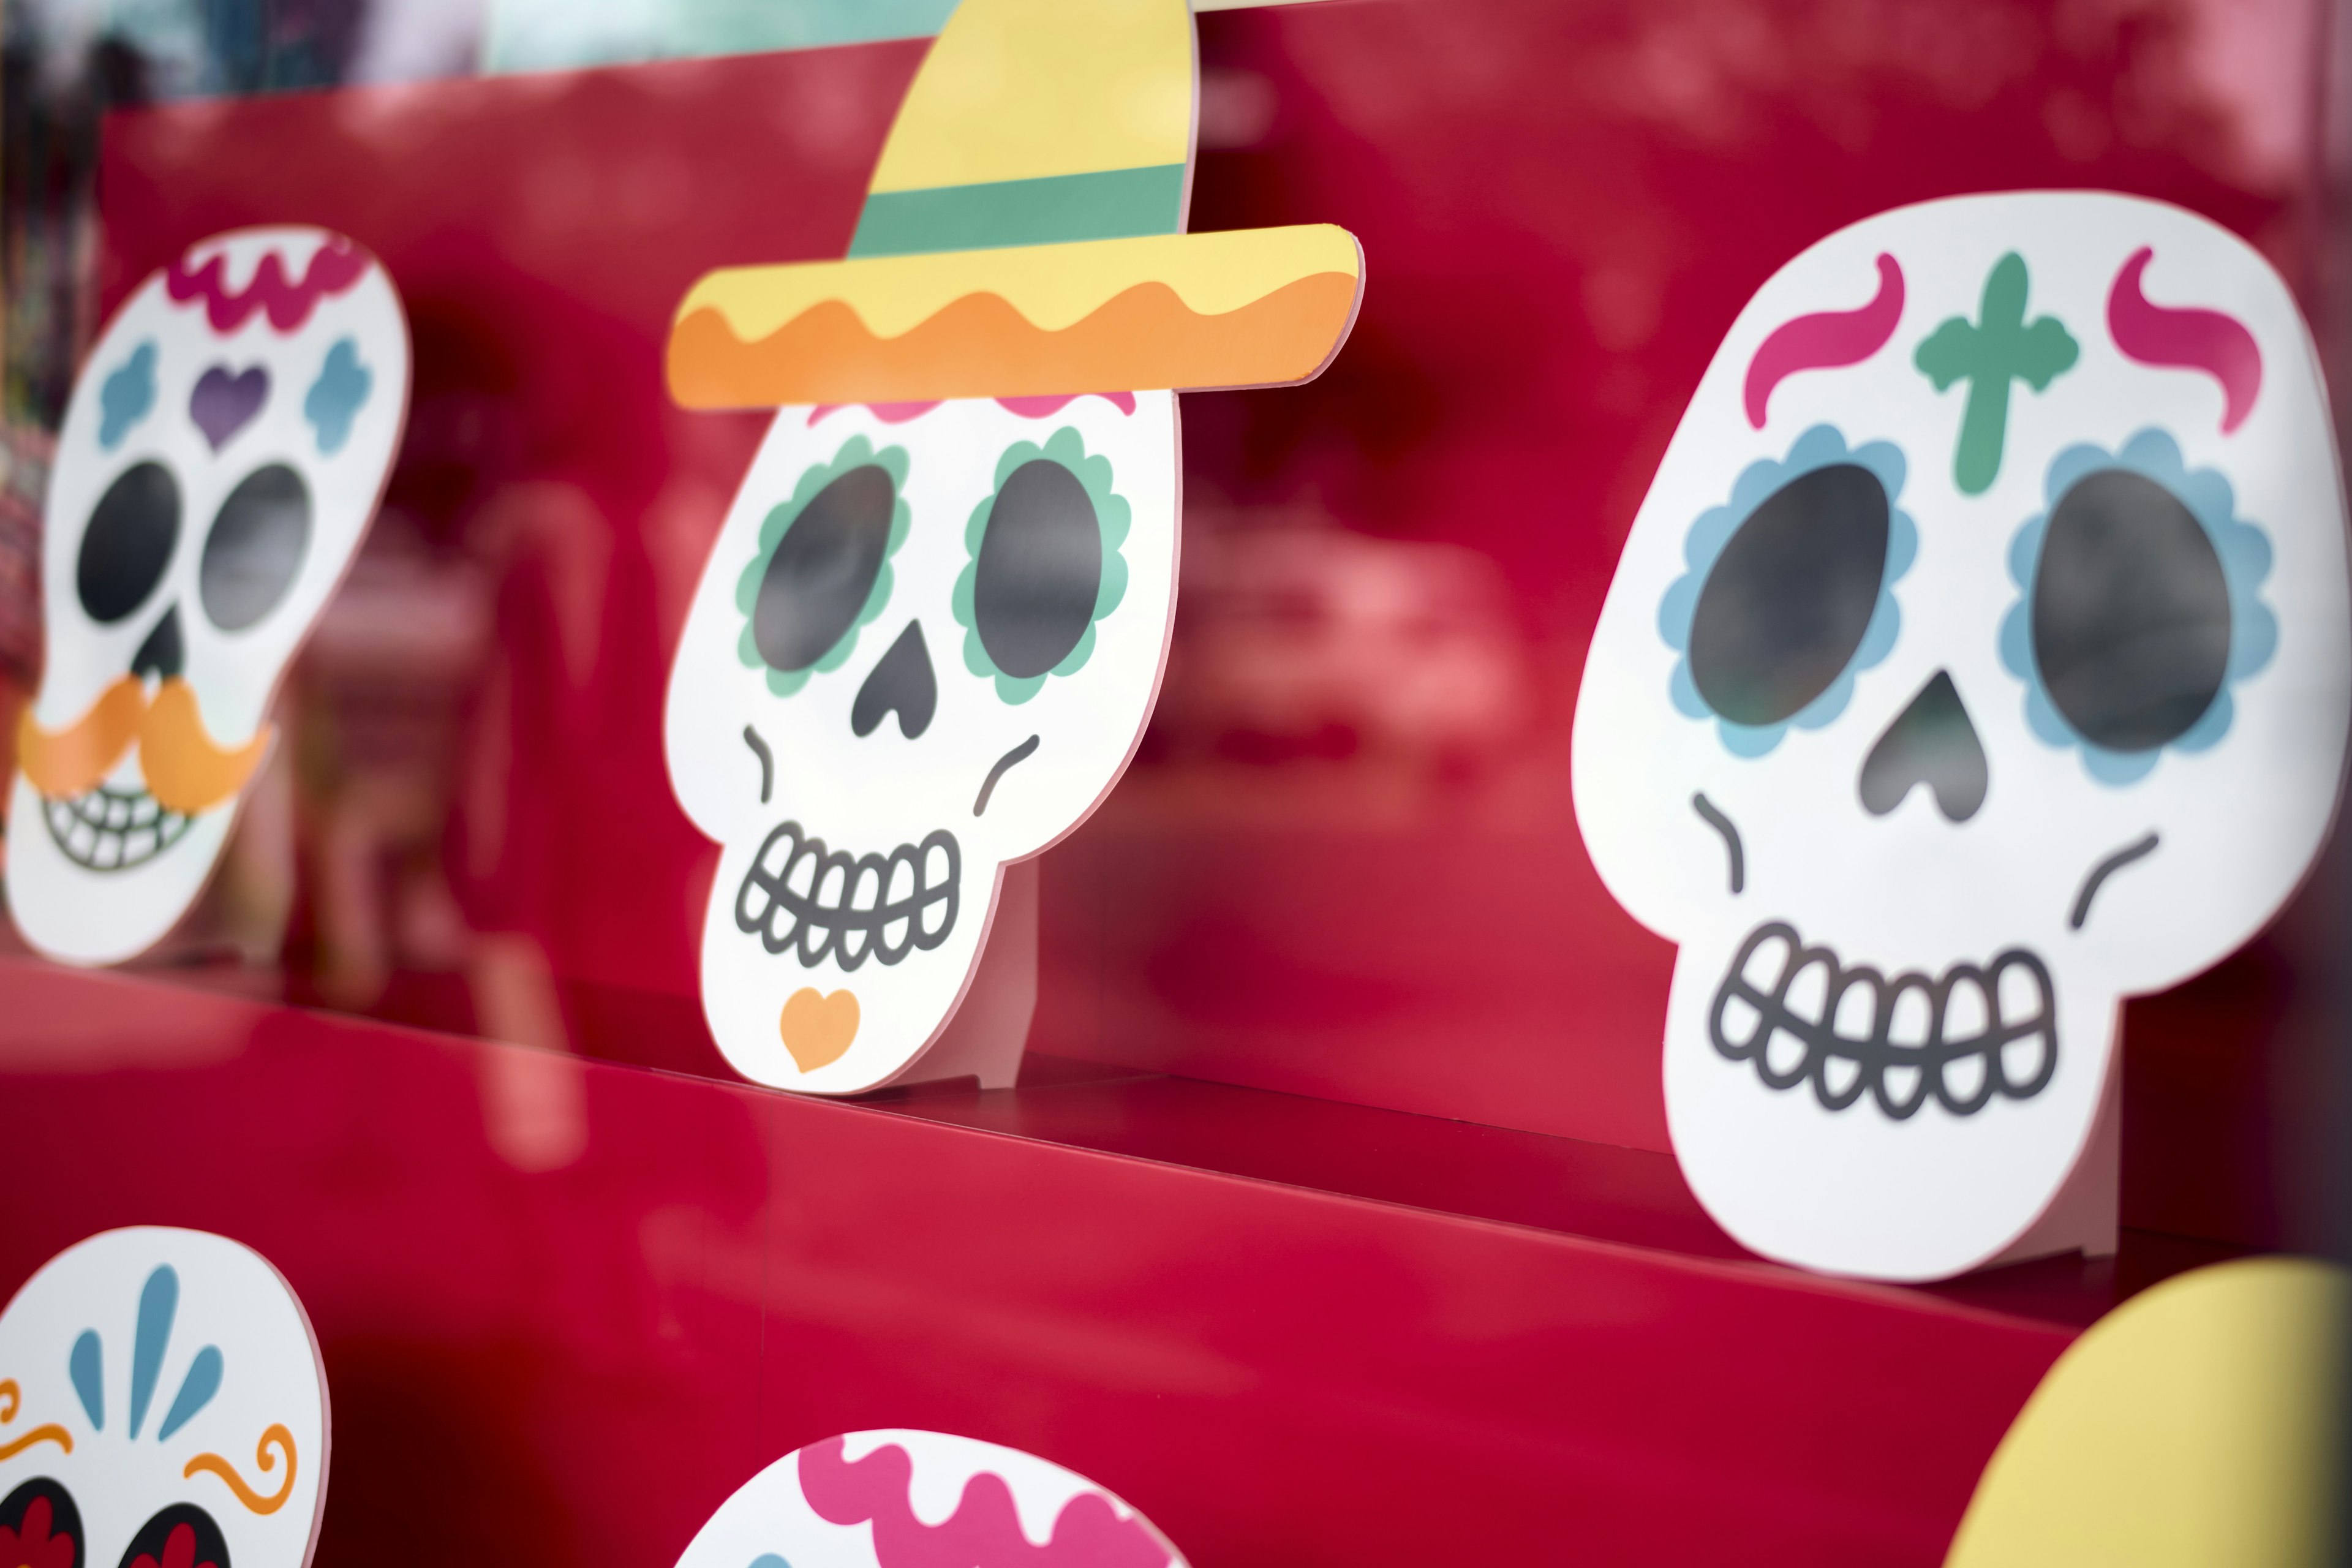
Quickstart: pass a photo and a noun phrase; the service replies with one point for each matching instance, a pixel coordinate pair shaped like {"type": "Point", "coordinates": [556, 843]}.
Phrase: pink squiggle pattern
{"type": "Point", "coordinates": [1038, 407]}
{"type": "Point", "coordinates": [2188, 339]}
{"type": "Point", "coordinates": [334, 266]}
{"type": "Point", "coordinates": [984, 1532]}
{"type": "Point", "coordinates": [1825, 341]}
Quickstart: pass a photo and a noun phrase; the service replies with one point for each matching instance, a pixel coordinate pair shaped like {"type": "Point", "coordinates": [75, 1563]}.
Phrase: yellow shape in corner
{"type": "Point", "coordinates": [2194, 1427]}
{"type": "Point", "coordinates": [1019, 90]}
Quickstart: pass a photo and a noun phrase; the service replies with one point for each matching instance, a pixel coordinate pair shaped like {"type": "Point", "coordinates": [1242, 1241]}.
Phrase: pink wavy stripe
{"type": "Point", "coordinates": [984, 1532]}
{"type": "Point", "coordinates": [335, 267]}
{"type": "Point", "coordinates": [2190, 337]}
{"type": "Point", "coordinates": [1824, 341]}
{"type": "Point", "coordinates": [1027, 407]}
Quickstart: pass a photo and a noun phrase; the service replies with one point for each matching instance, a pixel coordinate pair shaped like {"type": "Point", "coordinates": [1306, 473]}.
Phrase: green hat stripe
{"type": "Point", "coordinates": [1110, 204]}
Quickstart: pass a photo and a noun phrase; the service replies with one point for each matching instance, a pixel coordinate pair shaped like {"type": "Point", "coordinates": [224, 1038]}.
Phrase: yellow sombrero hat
{"type": "Point", "coordinates": [1023, 234]}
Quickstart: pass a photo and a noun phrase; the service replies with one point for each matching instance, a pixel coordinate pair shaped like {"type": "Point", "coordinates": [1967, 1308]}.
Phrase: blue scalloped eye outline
{"type": "Point", "coordinates": [1821, 447]}
{"type": "Point", "coordinates": [2241, 547]}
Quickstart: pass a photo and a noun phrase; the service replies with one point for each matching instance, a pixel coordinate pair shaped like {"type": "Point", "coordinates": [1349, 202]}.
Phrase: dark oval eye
{"type": "Point", "coordinates": [2131, 612]}
{"type": "Point", "coordinates": [256, 548]}
{"type": "Point", "coordinates": [1788, 600]}
{"type": "Point", "coordinates": [129, 542]}
{"type": "Point", "coordinates": [824, 568]}
{"type": "Point", "coordinates": [1039, 570]}
{"type": "Point", "coordinates": [181, 1536]}
{"type": "Point", "coordinates": [46, 1526]}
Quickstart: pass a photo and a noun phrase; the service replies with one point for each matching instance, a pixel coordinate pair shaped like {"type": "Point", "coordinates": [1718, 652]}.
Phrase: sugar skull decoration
{"type": "Point", "coordinates": [222, 453]}
{"type": "Point", "coordinates": [931, 629]}
{"type": "Point", "coordinates": [1977, 660]}
{"type": "Point", "coordinates": [161, 1406]}
{"type": "Point", "coordinates": [917, 1500]}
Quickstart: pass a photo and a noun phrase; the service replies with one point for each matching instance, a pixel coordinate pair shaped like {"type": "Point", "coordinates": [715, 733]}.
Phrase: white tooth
{"type": "Point", "coordinates": [837, 878]}
{"type": "Point", "coordinates": [1739, 1020]}
{"type": "Point", "coordinates": [1967, 1015]}
{"type": "Point", "coordinates": [935, 856]}
{"type": "Point", "coordinates": [894, 935]}
{"type": "Point", "coordinates": [140, 844]}
{"type": "Point", "coordinates": [2022, 1000]}
{"type": "Point", "coordinates": [902, 880]}
{"type": "Point", "coordinates": [1765, 961]}
{"type": "Point", "coordinates": [1900, 1083]}
{"type": "Point", "coordinates": [1784, 1054]}
{"type": "Point", "coordinates": [1857, 1012]}
{"type": "Point", "coordinates": [863, 883]}
{"type": "Point", "coordinates": [934, 916]}
{"type": "Point", "coordinates": [1809, 994]}
{"type": "Point", "coordinates": [1909, 1027]}
{"type": "Point", "coordinates": [2022, 1060]}
{"type": "Point", "coordinates": [81, 838]}
{"type": "Point", "coordinates": [1964, 1075]}
{"type": "Point", "coordinates": [1839, 1073]}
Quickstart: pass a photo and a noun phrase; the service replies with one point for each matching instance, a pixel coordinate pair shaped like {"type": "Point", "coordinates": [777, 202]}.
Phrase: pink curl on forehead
{"type": "Point", "coordinates": [1825, 341]}
{"type": "Point", "coordinates": [334, 266]}
{"type": "Point", "coordinates": [2188, 339]}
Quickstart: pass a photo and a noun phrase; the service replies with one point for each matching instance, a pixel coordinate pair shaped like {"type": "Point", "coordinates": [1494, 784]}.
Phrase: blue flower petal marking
{"type": "Point", "coordinates": [769, 1560]}
{"type": "Point", "coordinates": [127, 397]}
{"type": "Point", "coordinates": [86, 1366]}
{"type": "Point", "coordinates": [159, 1303]}
{"type": "Point", "coordinates": [2241, 547]}
{"type": "Point", "coordinates": [336, 398]}
{"type": "Point", "coordinates": [196, 1390]}
{"type": "Point", "coordinates": [1818, 448]}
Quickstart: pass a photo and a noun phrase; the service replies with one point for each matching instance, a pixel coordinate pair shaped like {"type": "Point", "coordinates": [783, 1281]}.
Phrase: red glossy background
{"type": "Point", "coordinates": [566, 1308]}
{"type": "Point", "coordinates": [1442, 1298]}
{"type": "Point", "coordinates": [1346, 864]}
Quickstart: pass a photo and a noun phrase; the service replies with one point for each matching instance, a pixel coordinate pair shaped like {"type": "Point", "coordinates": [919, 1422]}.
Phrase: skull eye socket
{"type": "Point", "coordinates": [181, 1536]}
{"type": "Point", "coordinates": [256, 547]}
{"type": "Point", "coordinates": [2131, 612]}
{"type": "Point", "coordinates": [824, 569]}
{"type": "Point", "coordinates": [1789, 599]}
{"type": "Point", "coordinates": [129, 542]}
{"type": "Point", "coordinates": [40, 1526]}
{"type": "Point", "coordinates": [1039, 571]}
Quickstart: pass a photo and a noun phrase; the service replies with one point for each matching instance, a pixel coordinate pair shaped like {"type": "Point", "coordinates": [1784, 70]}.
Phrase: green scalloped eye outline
{"type": "Point", "coordinates": [1112, 515]}
{"type": "Point", "coordinates": [855, 453]}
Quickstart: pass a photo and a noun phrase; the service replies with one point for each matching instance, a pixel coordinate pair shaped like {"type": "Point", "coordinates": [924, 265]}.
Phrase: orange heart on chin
{"type": "Point", "coordinates": [816, 1027]}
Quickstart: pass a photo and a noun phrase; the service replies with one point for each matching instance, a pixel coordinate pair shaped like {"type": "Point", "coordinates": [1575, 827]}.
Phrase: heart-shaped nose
{"type": "Point", "coordinates": [1932, 742]}
{"type": "Point", "coordinates": [901, 682]}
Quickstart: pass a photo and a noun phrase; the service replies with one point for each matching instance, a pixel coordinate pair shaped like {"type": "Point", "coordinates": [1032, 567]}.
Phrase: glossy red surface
{"type": "Point", "coordinates": [1396, 1270]}
{"type": "Point", "coordinates": [566, 1308]}
{"type": "Point", "coordinates": [1346, 865]}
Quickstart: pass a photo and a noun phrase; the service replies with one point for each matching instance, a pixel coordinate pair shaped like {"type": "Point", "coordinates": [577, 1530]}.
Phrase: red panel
{"type": "Point", "coordinates": [1346, 865]}
{"type": "Point", "coordinates": [574, 1363]}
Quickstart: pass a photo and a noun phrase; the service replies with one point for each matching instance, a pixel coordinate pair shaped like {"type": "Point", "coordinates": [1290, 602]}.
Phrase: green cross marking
{"type": "Point", "coordinates": [1998, 347]}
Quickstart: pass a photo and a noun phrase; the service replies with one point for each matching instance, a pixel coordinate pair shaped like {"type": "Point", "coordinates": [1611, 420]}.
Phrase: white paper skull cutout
{"type": "Point", "coordinates": [920, 1500]}
{"type": "Point", "coordinates": [1979, 657]}
{"type": "Point", "coordinates": [161, 1406]}
{"type": "Point", "coordinates": [222, 454]}
{"type": "Point", "coordinates": [925, 646]}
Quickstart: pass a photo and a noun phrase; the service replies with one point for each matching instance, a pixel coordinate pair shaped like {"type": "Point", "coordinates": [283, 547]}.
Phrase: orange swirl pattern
{"type": "Point", "coordinates": [49, 1433]}
{"type": "Point", "coordinates": [1144, 337]}
{"type": "Point", "coordinates": [277, 1435]}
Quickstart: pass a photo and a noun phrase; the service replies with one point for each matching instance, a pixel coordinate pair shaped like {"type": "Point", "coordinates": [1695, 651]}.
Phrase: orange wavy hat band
{"type": "Point", "coordinates": [1189, 311]}
{"type": "Point", "coordinates": [185, 769]}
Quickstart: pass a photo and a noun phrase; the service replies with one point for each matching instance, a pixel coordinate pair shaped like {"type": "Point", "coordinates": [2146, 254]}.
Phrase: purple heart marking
{"type": "Point", "coordinates": [224, 404]}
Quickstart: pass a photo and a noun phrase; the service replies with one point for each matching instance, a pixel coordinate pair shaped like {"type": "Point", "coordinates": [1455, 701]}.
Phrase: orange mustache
{"type": "Point", "coordinates": [184, 771]}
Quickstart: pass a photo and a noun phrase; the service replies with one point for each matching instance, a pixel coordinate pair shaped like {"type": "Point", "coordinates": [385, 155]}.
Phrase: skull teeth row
{"type": "Point", "coordinates": [1801, 1015]}
{"type": "Point", "coordinates": [797, 895]}
{"type": "Point", "coordinates": [113, 830]}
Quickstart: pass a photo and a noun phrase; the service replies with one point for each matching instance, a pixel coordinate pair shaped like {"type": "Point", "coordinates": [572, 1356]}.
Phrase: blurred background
{"type": "Point", "coordinates": [1345, 862]}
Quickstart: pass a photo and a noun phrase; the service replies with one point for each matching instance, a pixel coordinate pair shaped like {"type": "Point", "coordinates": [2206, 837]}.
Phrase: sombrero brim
{"type": "Point", "coordinates": [1264, 307]}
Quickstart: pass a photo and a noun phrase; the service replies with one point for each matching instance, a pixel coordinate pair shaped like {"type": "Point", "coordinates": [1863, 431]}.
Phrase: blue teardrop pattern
{"type": "Point", "coordinates": [88, 1369]}
{"type": "Point", "coordinates": [159, 1302]}
{"type": "Point", "coordinates": [769, 1560]}
{"type": "Point", "coordinates": [196, 1390]}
